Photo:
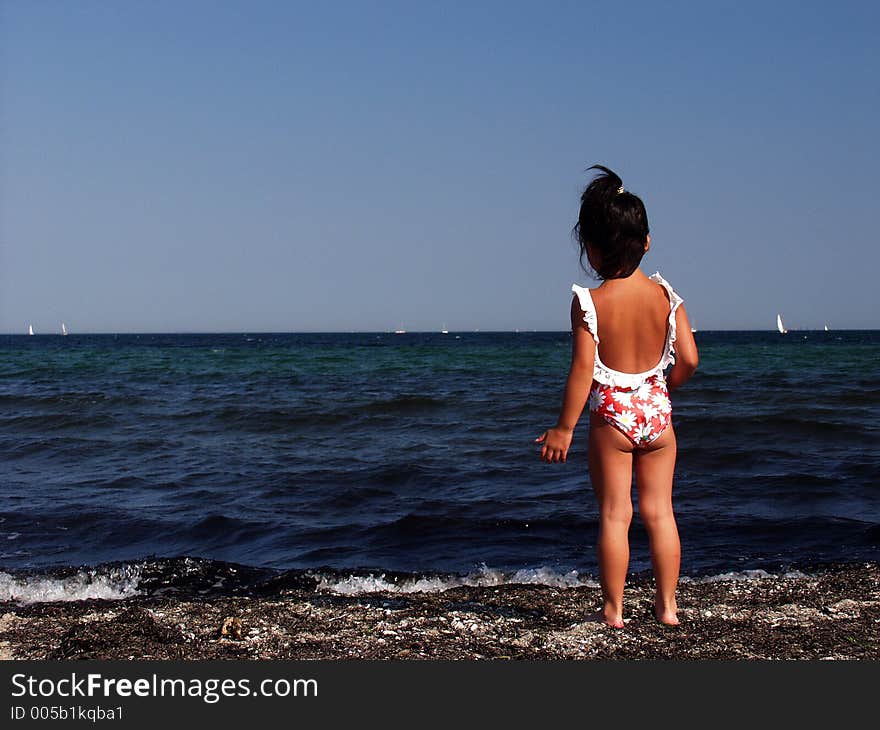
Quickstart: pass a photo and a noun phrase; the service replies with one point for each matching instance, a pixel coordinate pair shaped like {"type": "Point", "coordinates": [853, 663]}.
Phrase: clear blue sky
{"type": "Point", "coordinates": [277, 166]}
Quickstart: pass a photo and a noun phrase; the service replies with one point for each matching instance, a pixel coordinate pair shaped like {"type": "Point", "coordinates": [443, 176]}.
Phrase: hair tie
{"type": "Point", "coordinates": [620, 190]}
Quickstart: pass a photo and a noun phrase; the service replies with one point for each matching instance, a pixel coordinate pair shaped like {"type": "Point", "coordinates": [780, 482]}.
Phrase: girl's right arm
{"type": "Point", "coordinates": [557, 440]}
{"type": "Point", "coordinates": [686, 356]}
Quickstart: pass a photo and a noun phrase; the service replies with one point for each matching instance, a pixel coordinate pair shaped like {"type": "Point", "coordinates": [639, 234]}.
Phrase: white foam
{"type": "Point", "coordinates": [108, 584]}
{"type": "Point", "coordinates": [483, 577]}
{"type": "Point", "coordinates": [741, 575]}
{"type": "Point", "coordinates": [549, 577]}
{"type": "Point", "coordinates": [488, 577]}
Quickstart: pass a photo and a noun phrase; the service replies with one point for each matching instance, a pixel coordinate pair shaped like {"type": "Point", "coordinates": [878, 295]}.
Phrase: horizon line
{"type": "Point", "coordinates": [388, 332]}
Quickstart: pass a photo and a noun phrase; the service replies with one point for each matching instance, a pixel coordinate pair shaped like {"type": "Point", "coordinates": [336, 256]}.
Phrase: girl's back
{"type": "Point", "coordinates": [632, 316]}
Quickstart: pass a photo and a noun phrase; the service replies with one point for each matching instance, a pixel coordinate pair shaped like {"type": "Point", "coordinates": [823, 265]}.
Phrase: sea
{"type": "Point", "coordinates": [160, 463]}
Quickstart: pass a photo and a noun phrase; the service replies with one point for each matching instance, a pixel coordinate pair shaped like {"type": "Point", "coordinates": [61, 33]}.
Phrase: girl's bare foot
{"type": "Point", "coordinates": [615, 622]}
{"type": "Point", "coordinates": [666, 616]}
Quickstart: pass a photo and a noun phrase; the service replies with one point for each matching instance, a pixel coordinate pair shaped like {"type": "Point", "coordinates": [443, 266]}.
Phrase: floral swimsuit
{"type": "Point", "coordinates": [636, 404]}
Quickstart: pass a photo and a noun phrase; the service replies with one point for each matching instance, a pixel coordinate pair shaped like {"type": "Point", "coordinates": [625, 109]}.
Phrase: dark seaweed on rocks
{"type": "Point", "coordinates": [829, 612]}
{"type": "Point", "coordinates": [134, 626]}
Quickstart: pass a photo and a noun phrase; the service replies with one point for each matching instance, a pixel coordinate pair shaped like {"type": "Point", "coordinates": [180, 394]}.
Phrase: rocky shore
{"type": "Point", "coordinates": [827, 612]}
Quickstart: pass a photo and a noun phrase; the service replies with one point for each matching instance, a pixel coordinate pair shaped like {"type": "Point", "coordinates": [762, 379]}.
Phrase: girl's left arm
{"type": "Point", "coordinates": [686, 356]}
{"type": "Point", "coordinates": [557, 440]}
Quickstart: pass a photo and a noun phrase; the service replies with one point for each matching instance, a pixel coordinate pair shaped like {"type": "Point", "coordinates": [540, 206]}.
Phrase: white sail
{"type": "Point", "coordinates": [63, 329]}
{"type": "Point", "coordinates": [30, 329]}
{"type": "Point", "coordinates": [826, 327]}
{"type": "Point", "coordinates": [779, 325]}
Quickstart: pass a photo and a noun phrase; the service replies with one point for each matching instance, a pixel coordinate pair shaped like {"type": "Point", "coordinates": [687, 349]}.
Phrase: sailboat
{"type": "Point", "coordinates": [779, 325]}
{"type": "Point", "coordinates": [826, 327]}
{"type": "Point", "coordinates": [30, 329]}
{"type": "Point", "coordinates": [63, 329]}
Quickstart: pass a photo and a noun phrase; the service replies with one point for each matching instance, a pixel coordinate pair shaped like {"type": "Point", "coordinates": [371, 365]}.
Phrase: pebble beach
{"type": "Point", "coordinates": [827, 612]}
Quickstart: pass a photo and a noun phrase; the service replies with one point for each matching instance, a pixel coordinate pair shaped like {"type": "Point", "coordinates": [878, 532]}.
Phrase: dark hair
{"type": "Point", "coordinates": [614, 223]}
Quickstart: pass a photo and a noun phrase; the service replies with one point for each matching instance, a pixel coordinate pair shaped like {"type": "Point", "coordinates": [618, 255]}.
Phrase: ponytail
{"type": "Point", "coordinates": [614, 223]}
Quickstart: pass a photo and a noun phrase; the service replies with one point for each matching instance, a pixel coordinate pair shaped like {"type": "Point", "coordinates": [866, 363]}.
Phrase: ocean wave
{"type": "Point", "coordinates": [745, 575]}
{"type": "Point", "coordinates": [102, 582]}
{"type": "Point", "coordinates": [256, 419]}
{"type": "Point", "coordinates": [484, 577]}
{"type": "Point", "coordinates": [190, 577]}
{"type": "Point", "coordinates": [52, 422]}
{"type": "Point", "coordinates": [400, 405]}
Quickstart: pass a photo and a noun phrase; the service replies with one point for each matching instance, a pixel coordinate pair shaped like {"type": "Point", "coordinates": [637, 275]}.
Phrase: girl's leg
{"type": "Point", "coordinates": [654, 469]}
{"type": "Point", "coordinates": [610, 461]}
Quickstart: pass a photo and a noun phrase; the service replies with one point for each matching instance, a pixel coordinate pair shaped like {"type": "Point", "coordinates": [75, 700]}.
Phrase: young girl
{"type": "Point", "coordinates": [623, 337]}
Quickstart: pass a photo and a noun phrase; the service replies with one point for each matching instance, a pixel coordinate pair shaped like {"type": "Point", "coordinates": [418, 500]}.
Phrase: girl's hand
{"type": "Point", "coordinates": [556, 444]}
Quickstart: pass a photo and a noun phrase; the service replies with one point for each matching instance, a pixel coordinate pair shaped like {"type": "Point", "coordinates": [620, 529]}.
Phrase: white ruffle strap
{"type": "Point", "coordinates": [616, 379]}
{"type": "Point", "coordinates": [674, 302]}
{"type": "Point", "coordinates": [589, 309]}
